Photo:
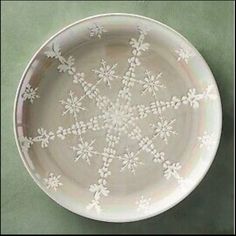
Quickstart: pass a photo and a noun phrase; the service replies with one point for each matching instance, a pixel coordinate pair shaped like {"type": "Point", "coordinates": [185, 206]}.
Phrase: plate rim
{"type": "Point", "coordinates": [94, 216]}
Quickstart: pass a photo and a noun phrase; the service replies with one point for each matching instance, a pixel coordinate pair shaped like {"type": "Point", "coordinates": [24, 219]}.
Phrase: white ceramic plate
{"type": "Point", "coordinates": [117, 117]}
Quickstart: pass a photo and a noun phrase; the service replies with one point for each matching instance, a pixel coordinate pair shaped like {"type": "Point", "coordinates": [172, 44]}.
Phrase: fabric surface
{"type": "Point", "coordinates": [25, 26]}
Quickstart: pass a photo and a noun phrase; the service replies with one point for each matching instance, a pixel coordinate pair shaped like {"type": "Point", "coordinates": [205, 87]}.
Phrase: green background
{"type": "Point", "coordinates": [26, 25]}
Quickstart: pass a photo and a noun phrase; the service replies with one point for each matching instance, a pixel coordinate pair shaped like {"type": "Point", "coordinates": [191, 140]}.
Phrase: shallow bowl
{"type": "Point", "coordinates": [117, 117]}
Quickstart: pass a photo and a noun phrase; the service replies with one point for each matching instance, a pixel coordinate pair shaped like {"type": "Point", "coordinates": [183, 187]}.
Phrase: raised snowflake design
{"type": "Point", "coordinates": [164, 129]}
{"type": "Point", "coordinates": [30, 93]}
{"type": "Point", "coordinates": [192, 98]}
{"type": "Point", "coordinates": [25, 143]}
{"type": "Point", "coordinates": [130, 161]}
{"type": "Point", "coordinates": [171, 169]}
{"type": "Point", "coordinates": [207, 140]}
{"type": "Point", "coordinates": [53, 181]}
{"type": "Point", "coordinates": [44, 137]}
{"type": "Point", "coordinates": [84, 151]}
{"type": "Point", "coordinates": [72, 105]}
{"type": "Point", "coordinates": [143, 204]}
{"type": "Point", "coordinates": [185, 53]}
{"type": "Point", "coordinates": [96, 30]}
{"type": "Point", "coordinates": [106, 72]}
{"type": "Point", "coordinates": [118, 118]}
{"type": "Point", "coordinates": [152, 83]}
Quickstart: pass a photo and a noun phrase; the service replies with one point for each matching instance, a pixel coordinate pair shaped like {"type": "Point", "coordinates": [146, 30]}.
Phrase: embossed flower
{"type": "Point", "coordinates": [30, 93]}
{"type": "Point", "coordinates": [98, 189]}
{"type": "Point", "coordinates": [184, 54]}
{"type": "Point", "coordinates": [25, 143]}
{"type": "Point", "coordinates": [72, 105]}
{"type": "Point", "coordinates": [192, 98]}
{"type": "Point", "coordinates": [84, 151]}
{"type": "Point", "coordinates": [138, 45]}
{"type": "Point", "coordinates": [164, 129]}
{"type": "Point", "coordinates": [207, 140]}
{"type": "Point", "coordinates": [171, 169]}
{"type": "Point", "coordinates": [96, 30]}
{"type": "Point", "coordinates": [94, 204]}
{"type": "Point", "coordinates": [130, 161]}
{"type": "Point", "coordinates": [53, 181]}
{"type": "Point", "coordinates": [54, 51]}
{"type": "Point", "coordinates": [152, 83]}
{"type": "Point", "coordinates": [143, 204]}
{"type": "Point", "coordinates": [208, 93]}
{"type": "Point", "coordinates": [67, 65]}
{"type": "Point", "coordinates": [106, 72]}
{"type": "Point", "coordinates": [117, 117]}
{"type": "Point", "coordinates": [44, 137]}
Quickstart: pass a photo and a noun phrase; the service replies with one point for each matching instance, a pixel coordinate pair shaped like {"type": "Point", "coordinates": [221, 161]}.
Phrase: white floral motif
{"type": "Point", "coordinates": [54, 52]}
{"type": "Point", "coordinates": [96, 30]}
{"type": "Point", "coordinates": [25, 143]}
{"type": "Point", "coordinates": [164, 129]}
{"type": "Point", "coordinates": [106, 72]}
{"type": "Point", "coordinates": [208, 93]}
{"type": "Point", "coordinates": [130, 161]}
{"type": "Point", "coordinates": [44, 137]}
{"type": "Point", "coordinates": [30, 93]}
{"type": "Point", "coordinates": [94, 204]}
{"type": "Point", "coordinates": [170, 169]}
{"type": "Point", "coordinates": [67, 65]}
{"type": "Point", "coordinates": [184, 54]}
{"type": "Point", "coordinates": [207, 140]}
{"type": "Point", "coordinates": [151, 83]}
{"type": "Point", "coordinates": [138, 46]}
{"type": "Point", "coordinates": [72, 105]}
{"type": "Point", "coordinates": [143, 29]}
{"type": "Point", "coordinates": [53, 181]}
{"type": "Point", "coordinates": [192, 98]}
{"type": "Point", "coordinates": [99, 190]}
{"type": "Point", "coordinates": [84, 151]}
{"type": "Point", "coordinates": [143, 204]}
{"type": "Point", "coordinates": [118, 117]}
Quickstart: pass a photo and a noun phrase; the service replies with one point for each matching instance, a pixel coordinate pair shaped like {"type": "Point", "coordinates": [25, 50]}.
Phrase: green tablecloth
{"type": "Point", "coordinates": [25, 26]}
